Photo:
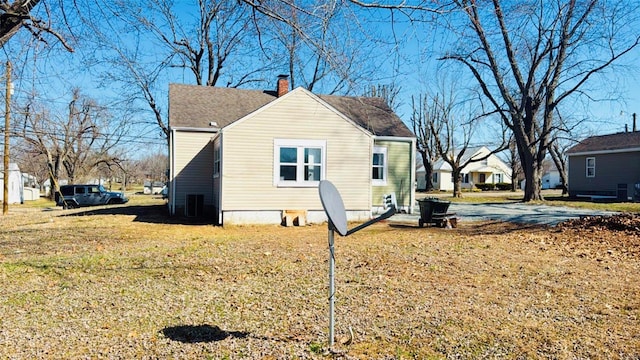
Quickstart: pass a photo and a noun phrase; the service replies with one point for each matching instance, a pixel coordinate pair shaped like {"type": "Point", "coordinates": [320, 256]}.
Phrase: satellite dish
{"type": "Point", "coordinates": [333, 206]}
{"type": "Point", "coordinates": [337, 215]}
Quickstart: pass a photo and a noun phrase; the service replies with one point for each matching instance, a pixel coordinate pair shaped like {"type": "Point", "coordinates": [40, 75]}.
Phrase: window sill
{"type": "Point", "coordinates": [312, 184]}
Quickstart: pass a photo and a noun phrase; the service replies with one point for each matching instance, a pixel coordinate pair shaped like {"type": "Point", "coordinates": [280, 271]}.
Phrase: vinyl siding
{"type": "Point", "coordinates": [248, 157]}
{"type": "Point", "coordinates": [611, 170]}
{"type": "Point", "coordinates": [193, 168]}
{"type": "Point", "coordinates": [398, 173]}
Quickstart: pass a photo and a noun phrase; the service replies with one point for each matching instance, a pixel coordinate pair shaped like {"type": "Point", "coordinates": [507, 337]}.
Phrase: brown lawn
{"type": "Point", "coordinates": [128, 283]}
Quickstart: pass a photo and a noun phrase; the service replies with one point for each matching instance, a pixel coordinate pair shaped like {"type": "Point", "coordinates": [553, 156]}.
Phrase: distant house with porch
{"type": "Point", "coordinates": [606, 166]}
{"type": "Point", "coordinates": [491, 170]}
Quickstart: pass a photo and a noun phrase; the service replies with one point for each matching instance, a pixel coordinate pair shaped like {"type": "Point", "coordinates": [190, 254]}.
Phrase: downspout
{"type": "Point", "coordinates": [218, 137]}
{"type": "Point", "coordinates": [372, 145]}
{"type": "Point", "coordinates": [172, 193]}
{"type": "Point", "coordinates": [412, 176]}
{"type": "Point", "coordinates": [220, 181]}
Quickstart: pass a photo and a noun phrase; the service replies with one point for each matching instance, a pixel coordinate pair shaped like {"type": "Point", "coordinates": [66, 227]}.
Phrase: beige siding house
{"type": "Point", "coordinates": [247, 156]}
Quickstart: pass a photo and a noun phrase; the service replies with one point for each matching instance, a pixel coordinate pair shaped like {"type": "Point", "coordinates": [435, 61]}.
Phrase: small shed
{"type": "Point", "coordinates": [15, 184]}
{"type": "Point", "coordinates": [153, 187]}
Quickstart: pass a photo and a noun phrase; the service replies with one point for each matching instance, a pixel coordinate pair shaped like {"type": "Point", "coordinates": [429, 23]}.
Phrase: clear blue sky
{"type": "Point", "coordinates": [412, 65]}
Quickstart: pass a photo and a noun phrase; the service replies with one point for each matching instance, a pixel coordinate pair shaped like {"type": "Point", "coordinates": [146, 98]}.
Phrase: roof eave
{"type": "Point", "coordinates": [605, 151]}
{"type": "Point", "coordinates": [394, 138]}
{"type": "Point", "coordinates": [192, 129]}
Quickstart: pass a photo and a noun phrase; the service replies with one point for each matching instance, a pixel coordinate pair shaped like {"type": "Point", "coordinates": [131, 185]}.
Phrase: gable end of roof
{"type": "Point", "coordinates": [193, 106]}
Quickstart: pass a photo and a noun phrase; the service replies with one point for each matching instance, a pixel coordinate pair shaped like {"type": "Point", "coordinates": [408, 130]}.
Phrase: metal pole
{"type": "Point", "coordinates": [7, 114]}
{"type": "Point", "coordinates": [332, 268]}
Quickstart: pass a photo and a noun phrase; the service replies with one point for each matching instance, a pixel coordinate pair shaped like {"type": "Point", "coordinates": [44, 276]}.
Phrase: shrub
{"type": "Point", "coordinates": [491, 186]}
{"type": "Point", "coordinates": [485, 186]}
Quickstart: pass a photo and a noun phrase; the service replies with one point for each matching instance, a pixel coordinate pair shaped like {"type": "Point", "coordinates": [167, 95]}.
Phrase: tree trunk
{"type": "Point", "coordinates": [53, 163]}
{"type": "Point", "coordinates": [428, 175]}
{"type": "Point", "coordinates": [533, 177]}
{"type": "Point", "coordinates": [457, 183]}
{"type": "Point", "coordinates": [561, 165]}
{"type": "Point", "coordinates": [514, 181]}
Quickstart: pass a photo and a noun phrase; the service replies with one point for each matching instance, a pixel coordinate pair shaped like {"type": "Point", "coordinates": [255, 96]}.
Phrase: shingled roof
{"type": "Point", "coordinates": [370, 113]}
{"type": "Point", "coordinates": [611, 142]}
{"type": "Point", "coordinates": [192, 106]}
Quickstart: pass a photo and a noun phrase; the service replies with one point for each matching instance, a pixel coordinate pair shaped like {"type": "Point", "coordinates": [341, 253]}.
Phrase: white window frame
{"type": "Point", "coordinates": [300, 145]}
{"type": "Point", "coordinates": [434, 178]}
{"type": "Point", "coordinates": [385, 166]}
{"type": "Point", "coordinates": [465, 178]}
{"type": "Point", "coordinates": [591, 167]}
{"type": "Point", "coordinates": [497, 178]}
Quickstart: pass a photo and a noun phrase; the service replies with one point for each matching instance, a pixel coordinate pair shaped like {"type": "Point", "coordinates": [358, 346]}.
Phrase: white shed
{"type": "Point", "coordinates": [15, 184]}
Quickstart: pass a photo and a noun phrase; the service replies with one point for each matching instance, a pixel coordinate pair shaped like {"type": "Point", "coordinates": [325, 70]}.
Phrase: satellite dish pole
{"type": "Point", "coordinates": [332, 287]}
{"type": "Point", "coordinates": [337, 216]}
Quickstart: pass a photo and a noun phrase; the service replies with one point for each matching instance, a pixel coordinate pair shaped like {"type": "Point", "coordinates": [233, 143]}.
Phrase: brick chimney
{"type": "Point", "coordinates": [283, 85]}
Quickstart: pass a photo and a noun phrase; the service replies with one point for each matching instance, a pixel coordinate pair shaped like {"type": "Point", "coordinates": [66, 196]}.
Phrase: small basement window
{"type": "Point", "coordinates": [194, 206]}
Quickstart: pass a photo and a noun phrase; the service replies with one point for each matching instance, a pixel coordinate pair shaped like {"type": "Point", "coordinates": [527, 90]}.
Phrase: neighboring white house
{"type": "Point", "coordinates": [551, 176]}
{"type": "Point", "coordinates": [30, 187]}
{"type": "Point", "coordinates": [15, 184]}
{"type": "Point", "coordinates": [492, 170]}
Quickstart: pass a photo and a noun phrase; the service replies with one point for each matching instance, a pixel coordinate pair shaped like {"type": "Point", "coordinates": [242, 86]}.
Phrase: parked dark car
{"type": "Point", "coordinates": [73, 196]}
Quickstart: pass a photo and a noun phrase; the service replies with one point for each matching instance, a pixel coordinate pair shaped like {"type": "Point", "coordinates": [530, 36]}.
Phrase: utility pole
{"type": "Point", "coordinates": [7, 114]}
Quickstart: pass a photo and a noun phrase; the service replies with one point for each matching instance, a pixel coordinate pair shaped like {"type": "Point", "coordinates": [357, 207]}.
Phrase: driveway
{"type": "Point", "coordinates": [511, 212]}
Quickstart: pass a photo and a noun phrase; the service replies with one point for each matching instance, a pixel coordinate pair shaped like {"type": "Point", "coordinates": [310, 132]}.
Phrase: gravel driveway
{"type": "Point", "coordinates": [511, 212]}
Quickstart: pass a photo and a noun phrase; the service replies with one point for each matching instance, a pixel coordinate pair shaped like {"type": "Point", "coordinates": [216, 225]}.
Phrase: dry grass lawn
{"type": "Point", "coordinates": [128, 283]}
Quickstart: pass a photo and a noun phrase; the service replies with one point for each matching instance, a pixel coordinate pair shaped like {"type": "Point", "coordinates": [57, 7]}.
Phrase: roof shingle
{"type": "Point", "coordinates": [192, 106]}
{"type": "Point", "coordinates": [611, 142]}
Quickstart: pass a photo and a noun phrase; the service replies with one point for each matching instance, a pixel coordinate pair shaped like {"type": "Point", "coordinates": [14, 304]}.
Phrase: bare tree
{"type": "Point", "coordinates": [539, 55]}
{"type": "Point", "coordinates": [421, 122]}
{"type": "Point", "coordinates": [529, 58]}
{"type": "Point", "coordinates": [452, 131]}
{"type": "Point", "coordinates": [220, 38]}
{"type": "Point", "coordinates": [18, 14]}
{"type": "Point", "coordinates": [322, 46]}
{"type": "Point", "coordinates": [154, 166]}
{"type": "Point", "coordinates": [559, 146]}
{"type": "Point", "coordinates": [389, 92]}
{"type": "Point", "coordinates": [514, 163]}
{"type": "Point", "coordinates": [75, 144]}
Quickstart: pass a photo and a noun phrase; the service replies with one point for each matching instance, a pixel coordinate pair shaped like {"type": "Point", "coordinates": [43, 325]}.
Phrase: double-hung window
{"type": "Point", "coordinates": [591, 167]}
{"type": "Point", "coordinates": [299, 162]}
{"type": "Point", "coordinates": [379, 167]}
